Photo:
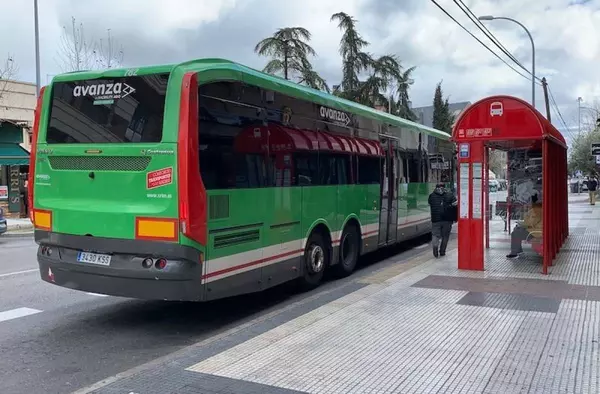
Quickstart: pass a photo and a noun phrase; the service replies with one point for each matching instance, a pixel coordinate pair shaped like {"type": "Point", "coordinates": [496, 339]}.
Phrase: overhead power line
{"type": "Point", "coordinates": [557, 111]}
{"type": "Point", "coordinates": [481, 42]}
{"type": "Point", "coordinates": [464, 8]}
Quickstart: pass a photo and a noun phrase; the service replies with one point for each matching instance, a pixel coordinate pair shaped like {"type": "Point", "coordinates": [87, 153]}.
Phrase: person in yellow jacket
{"type": "Point", "coordinates": [530, 227]}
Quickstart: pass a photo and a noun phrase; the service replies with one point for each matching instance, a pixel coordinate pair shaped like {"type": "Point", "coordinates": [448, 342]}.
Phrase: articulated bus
{"type": "Point", "coordinates": [209, 179]}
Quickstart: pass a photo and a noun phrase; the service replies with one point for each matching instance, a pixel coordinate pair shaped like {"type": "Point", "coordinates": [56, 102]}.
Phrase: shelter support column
{"type": "Point", "coordinates": [545, 207]}
{"type": "Point", "coordinates": [470, 197]}
{"type": "Point", "coordinates": [486, 195]}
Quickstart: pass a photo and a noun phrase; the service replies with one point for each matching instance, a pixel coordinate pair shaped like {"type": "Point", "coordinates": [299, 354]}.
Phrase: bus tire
{"type": "Point", "coordinates": [316, 259]}
{"type": "Point", "coordinates": [348, 252]}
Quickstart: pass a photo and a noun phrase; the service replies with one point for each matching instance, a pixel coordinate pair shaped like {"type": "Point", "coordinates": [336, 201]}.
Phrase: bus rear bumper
{"type": "Point", "coordinates": [125, 276]}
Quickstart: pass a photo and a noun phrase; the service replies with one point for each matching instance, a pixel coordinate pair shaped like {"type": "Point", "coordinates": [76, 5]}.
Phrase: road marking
{"type": "Point", "coordinates": [16, 313]}
{"type": "Point", "coordinates": [97, 295]}
{"type": "Point", "coordinates": [19, 272]}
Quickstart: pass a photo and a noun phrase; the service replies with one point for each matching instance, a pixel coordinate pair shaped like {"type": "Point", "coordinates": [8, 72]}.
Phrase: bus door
{"type": "Point", "coordinates": [388, 216]}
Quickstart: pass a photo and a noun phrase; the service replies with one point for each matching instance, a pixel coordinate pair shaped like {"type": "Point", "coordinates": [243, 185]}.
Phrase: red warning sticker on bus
{"type": "Point", "coordinates": [159, 178]}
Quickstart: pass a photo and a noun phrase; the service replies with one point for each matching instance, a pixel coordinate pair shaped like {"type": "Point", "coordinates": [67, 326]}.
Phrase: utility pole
{"type": "Point", "coordinates": [545, 87]}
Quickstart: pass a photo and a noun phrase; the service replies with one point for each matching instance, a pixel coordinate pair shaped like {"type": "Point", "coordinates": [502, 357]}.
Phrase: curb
{"type": "Point", "coordinates": [17, 234]}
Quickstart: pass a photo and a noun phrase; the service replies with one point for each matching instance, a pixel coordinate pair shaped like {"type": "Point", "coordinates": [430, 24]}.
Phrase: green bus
{"type": "Point", "coordinates": [209, 179]}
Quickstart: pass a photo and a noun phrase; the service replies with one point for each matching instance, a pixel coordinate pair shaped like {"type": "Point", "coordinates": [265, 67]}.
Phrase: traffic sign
{"type": "Point", "coordinates": [595, 148]}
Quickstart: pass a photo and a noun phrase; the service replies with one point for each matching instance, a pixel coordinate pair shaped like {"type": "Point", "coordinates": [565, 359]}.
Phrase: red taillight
{"type": "Point", "coordinates": [32, 154]}
{"type": "Point", "coordinates": [160, 263]}
{"type": "Point", "coordinates": [192, 195]}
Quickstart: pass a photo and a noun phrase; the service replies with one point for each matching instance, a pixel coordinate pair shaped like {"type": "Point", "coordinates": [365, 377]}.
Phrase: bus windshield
{"type": "Point", "coordinates": [108, 110]}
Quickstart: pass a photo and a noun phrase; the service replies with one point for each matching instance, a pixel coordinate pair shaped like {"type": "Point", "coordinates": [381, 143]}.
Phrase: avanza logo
{"type": "Point", "coordinates": [104, 91]}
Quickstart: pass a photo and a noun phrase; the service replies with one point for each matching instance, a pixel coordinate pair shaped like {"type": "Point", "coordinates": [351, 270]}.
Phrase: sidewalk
{"type": "Point", "coordinates": [19, 227]}
{"type": "Point", "coordinates": [426, 328]}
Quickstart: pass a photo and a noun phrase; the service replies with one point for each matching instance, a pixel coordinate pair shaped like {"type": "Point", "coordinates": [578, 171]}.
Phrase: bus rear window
{"type": "Point", "coordinates": [108, 110]}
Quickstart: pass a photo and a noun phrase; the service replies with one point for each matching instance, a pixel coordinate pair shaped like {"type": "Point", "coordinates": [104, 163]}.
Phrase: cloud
{"type": "Point", "coordinates": [567, 38]}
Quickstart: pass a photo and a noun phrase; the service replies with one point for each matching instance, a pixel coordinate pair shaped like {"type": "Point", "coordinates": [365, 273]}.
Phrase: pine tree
{"type": "Point", "coordinates": [442, 118]}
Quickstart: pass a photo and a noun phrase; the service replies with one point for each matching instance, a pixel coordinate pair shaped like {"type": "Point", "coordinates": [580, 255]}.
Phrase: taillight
{"type": "Point", "coordinates": [158, 229]}
{"type": "Point", "coordinates": [42, 219]}
{"type": "Point", "coordinates": [160, 263]}
{"type": "Point", "coordinates": [192, 194]}
{"type": "Point", "coordinates": [32, 154]}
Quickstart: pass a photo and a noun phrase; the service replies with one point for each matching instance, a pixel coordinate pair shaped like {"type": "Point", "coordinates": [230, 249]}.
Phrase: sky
{"type": "Point", "coordinates": [566, 35]}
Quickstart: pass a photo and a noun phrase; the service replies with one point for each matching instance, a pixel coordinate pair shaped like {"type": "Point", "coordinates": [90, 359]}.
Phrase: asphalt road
{"type": "Point", "coordinates": [56, 340]}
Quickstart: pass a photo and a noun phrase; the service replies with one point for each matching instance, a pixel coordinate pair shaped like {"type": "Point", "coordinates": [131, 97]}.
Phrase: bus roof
{"type": "Point", "coordinates": [226, 69]}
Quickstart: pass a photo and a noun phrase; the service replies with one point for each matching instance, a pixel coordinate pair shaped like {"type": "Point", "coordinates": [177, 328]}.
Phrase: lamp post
{"type": "Point", "coordinates": [37, 48]}
{"type": "Point", "coordinates": [491, 18]}
{"type": "Point", "coordinates": [579, 100]}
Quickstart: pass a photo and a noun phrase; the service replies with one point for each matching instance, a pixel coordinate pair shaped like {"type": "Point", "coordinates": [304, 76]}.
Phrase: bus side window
{"type": "Point", "coordinates": [343, 165]}
{"type": "Point", "coordinates": [306, 169]}
{"type": "Point", "coordinates": [227, 160]}
{"type": "Point", "coordinates": [369, 170]}
{"type": "Point", "coordinates": [328, 174]}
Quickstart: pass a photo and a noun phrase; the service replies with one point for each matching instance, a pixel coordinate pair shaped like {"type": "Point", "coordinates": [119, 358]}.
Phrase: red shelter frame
{"type": "Point", "coordinates": [506, 122]}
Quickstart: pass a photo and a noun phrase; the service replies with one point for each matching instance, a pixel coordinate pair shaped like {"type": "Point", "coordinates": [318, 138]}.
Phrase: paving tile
{"type": "Point", "coordinates": [424, 327]}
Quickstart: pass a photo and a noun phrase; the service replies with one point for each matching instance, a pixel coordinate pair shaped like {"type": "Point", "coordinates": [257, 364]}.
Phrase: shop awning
{"type": "Point", "coordinates": [13, 155]}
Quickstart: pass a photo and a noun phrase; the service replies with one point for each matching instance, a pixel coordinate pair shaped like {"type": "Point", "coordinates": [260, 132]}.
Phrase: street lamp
{"type": "Point", "coordinates": [579, 100]}
{"type": "Point", "coordinates": [491, 18]}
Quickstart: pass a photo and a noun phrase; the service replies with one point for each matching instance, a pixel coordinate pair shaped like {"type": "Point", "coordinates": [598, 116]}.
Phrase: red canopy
{"type": "Point", "coordinates": [254, 140]}
{"type": "Point", "coordinates": [505, 122]}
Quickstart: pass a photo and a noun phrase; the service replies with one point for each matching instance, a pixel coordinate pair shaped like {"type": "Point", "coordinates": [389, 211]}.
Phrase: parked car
{"type": "Point", "coordinates": [3, 223]}
{"type": "Point", "coordinates": [575, 184]}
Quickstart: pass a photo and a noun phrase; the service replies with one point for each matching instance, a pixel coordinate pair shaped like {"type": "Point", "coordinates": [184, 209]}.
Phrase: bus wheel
{"type": "Point", "coordinates": [316, 258]}
{"type": "Point", "coordinates": [349, 251]}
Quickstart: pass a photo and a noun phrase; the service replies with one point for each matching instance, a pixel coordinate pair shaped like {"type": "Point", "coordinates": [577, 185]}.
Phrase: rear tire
{"type": "Point", "coordinates": [349, 252]}
{"type": "Point", "coordinates": [316, 258]}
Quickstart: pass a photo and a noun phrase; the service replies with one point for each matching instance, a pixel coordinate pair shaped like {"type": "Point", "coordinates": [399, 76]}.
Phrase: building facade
{"type": "Point", "coordinates": [17, 105]}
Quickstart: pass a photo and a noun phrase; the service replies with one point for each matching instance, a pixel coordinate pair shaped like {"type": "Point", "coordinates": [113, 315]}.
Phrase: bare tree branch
{"type": "Point", "coordinates": [76, 52]}
{"type": "Point", "coordinates": [8, 71]}
{"type": "Point", "coordinates": [109, 54]}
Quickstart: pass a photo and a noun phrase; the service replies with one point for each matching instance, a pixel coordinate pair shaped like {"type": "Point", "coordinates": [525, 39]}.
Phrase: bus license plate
{"type": "Point", "coordinates": [94, 258]}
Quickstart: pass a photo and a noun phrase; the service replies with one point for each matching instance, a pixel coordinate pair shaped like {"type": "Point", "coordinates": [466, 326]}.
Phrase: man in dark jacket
{"type": "Point", "coordinates": [442, 203]}
{"type": "Point", "coordinates": [592, 185]}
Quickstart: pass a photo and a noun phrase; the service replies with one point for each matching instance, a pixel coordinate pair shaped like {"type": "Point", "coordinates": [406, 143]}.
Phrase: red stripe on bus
{"type": "Point", "coordinates": [250, 264]}
{"type": "Point", "coordinates": [271, 258]}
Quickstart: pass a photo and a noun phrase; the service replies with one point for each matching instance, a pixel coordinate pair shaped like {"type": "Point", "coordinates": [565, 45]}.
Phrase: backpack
{"type": "Point", "coordinates": [450, 211]}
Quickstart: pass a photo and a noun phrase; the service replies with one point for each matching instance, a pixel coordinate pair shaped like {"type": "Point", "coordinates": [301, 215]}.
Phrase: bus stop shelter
{"type": "Point", "coordinates": [537, 163]}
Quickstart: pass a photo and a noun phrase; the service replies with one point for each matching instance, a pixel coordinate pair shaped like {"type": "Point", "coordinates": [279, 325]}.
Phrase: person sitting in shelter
{"type": "Point", "coordinates": [531, 226]}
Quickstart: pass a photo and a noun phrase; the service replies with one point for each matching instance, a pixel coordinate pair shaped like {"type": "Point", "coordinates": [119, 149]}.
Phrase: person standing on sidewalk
{"type": "Point", "coordinates": [592, 185]}
{"type": "Point", "coordinates": [443, 206]}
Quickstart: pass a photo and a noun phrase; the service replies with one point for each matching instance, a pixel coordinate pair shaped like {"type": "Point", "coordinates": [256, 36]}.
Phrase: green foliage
{"type": "Point", "coordinates": [387, 83]}
{"type": "Point", "coordinates": [385, 73]}
{"type": "Point", "coordinates": [289, 51]}
{"type": "Point", "coordinates": [580, 157]}
{"type": "Point", "coordinates": [442, 118]}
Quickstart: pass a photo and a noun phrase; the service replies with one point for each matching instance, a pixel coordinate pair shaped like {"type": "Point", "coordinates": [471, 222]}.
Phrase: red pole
{"type": "Point", "coordinates": [566, 196]}
{"type": "Point", "coordinates": [508, 209]}
{"type": "Point", "coordinates": [486, 195]}
{"type": "Point", "coordinates": [545, 207]}
{"type": "Point", "coordinates": [553, 226]}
